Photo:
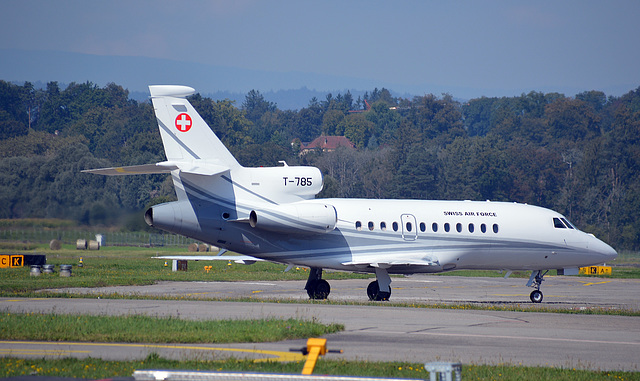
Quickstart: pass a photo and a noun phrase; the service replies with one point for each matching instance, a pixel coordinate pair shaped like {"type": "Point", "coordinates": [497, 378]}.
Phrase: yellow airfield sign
{"type": "Point", "coordinates": [7, 261]}
{"type": "Point", "coordinates": [595, 270]}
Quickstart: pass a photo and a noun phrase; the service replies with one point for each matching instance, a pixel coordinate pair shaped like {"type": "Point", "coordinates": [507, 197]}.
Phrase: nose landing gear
{"type": "Point", "coordinates": [535, 281]}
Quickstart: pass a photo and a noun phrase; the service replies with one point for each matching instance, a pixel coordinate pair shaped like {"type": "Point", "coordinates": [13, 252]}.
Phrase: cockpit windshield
{"type": "Point", "coordinates": [562, 223]}
{"type": "Point", "coordinates": [558, 224]}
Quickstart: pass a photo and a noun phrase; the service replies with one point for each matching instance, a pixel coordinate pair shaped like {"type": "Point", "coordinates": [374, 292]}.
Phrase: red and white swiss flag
{"type": "Point", "coordinates": [183, 122]}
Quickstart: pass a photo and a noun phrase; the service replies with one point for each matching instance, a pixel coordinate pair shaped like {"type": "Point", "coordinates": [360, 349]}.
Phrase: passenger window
{"type": "Point", "coordinates": [483, 228]}
{"type": "Point", "coordinates": [395, 226]}
{"type": "Point", "coordinates": [409, 226]}
{"type": "Point", "coordinates": [471, 228]}
{"type": "Point", "coordinates": [358, 225]}
{"type": "Point", "coordinates": [569, 224]}
{"type": "Point", "coordinates": [558, 224]}
{"type": "Point", "coordinates": [459, 227]}
{"type": "Point", "coordinates": [495, 228]}
{"type": "Point", "coordinates": [446, 227]}
{"type": "Point", "coordinates": [434, 227]}
{"type": "Point", "coordinates": [371, 225]}
{"type": "Point", "coordinates": [423, 227]}
{"type": "Point", "coordinates": [383, 226]}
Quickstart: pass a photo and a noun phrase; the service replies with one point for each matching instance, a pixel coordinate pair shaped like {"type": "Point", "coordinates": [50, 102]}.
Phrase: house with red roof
{"type": "Point", "coordinates": [326, 144]}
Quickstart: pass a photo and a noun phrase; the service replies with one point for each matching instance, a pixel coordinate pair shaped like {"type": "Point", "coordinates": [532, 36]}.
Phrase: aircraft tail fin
{"type": "Point", "coordinates": [202, 166]}
{"type": "Point", "coordinates": [185, 135]}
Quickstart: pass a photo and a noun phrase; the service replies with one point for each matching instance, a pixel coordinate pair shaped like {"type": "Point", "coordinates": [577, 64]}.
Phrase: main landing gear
{"type": "Point", "coordinates": [317, 288]}
{"type": "Point", "coordinates": [535, 281]}
{"type": "Point", "coordinates": [379, 289]}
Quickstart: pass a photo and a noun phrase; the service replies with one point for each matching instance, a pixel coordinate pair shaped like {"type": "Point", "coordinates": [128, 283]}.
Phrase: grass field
{"type": "Point", "coordinates": [117, 266]}
{"type": "Point", "coordinates": [99, 369]}
{"type": "Point", "coordinates": [147, 329]}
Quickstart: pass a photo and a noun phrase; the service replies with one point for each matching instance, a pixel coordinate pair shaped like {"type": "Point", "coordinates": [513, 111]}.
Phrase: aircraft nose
{"type": "Point", "coordinates": [603, 249]}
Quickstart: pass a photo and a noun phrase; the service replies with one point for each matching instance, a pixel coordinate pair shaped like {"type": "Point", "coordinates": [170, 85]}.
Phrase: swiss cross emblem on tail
{"type": "Point", "coordinates": [183, 122]}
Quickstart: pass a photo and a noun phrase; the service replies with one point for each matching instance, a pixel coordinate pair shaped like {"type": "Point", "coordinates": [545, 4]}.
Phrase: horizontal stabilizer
{"type": "Point", "coordinates": [145, 169]}
{"type": "Point", "coordinates": [196, 167]}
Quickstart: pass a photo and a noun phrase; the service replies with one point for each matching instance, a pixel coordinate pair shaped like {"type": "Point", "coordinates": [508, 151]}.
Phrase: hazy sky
{"type": "Point", "coordinates": [564, 46]}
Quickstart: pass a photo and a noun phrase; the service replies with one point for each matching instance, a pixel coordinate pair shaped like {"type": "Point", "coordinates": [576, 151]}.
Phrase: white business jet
{"type": "Point", "coordinates": [272, 214]}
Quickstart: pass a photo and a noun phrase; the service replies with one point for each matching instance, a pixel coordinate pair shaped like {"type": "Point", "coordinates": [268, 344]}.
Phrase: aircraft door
{"type": "Point", "coordinates": [409, 227]}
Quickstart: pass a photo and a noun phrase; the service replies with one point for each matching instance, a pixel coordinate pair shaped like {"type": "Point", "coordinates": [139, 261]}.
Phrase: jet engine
{"type": "Point", "coordinates": [179, 217]}
{"type": "Point", "coordinates": [296, 218]}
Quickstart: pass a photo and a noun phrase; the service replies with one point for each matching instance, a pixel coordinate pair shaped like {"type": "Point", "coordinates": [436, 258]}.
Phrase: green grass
{"type": "Point", "coordinates": [124, 266]}
{"type": "Point", "coordinates": [146, 329]}
{"type": "Point", "coordinates": [628, 257]}
{"type": "Point", "coordinates": [117, 266]}
{"type": "Point", "coordinates": [20, 246]}
{"type": "Point", "coordinates": [98, 369]}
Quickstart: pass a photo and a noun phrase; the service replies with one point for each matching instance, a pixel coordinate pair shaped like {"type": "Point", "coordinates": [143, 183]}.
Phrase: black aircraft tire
{"type": "Point", "coordinates": [372, 290]}
{"type": "Point", "coordinates": [536, 296]}
{"type": "Point", "coordinates": [374, 293]}
{"type": "Point", "coordinates": [319, 290]}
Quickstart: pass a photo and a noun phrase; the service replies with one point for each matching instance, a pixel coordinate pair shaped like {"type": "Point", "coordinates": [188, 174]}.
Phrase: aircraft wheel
{"type": "Point", "coordinates": [319, 290]}
{"type": "Point", "coordinates": [374, 293]}
{"type": "Point", "coordinates": [536, 296]}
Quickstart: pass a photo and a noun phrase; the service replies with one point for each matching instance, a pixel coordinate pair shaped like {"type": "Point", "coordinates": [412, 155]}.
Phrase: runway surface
{"type": "Point", "coordinates": [379, 332]}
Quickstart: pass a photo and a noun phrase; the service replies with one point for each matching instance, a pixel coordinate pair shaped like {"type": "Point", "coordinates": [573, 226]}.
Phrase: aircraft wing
{"type": "Point", "coordinates": [241, 259]}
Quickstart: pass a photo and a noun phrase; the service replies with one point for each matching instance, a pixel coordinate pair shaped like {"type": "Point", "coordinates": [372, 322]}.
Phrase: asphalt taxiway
{"type": "Point", "coordinates": [566, 292]}
{"type": "Point", "coordinates": [378, 332]}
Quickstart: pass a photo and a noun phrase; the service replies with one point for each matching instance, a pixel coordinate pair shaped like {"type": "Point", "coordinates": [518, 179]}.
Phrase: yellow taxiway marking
{"type": "Point", "coordinates": [21, 300]}
{"type": "Point", "coordinates": [585, 283]}
{"type": "Point", "coordinates": [279, 356]}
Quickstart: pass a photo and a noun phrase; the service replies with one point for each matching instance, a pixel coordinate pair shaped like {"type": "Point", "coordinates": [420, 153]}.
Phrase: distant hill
{"type": "Point", "coordinates": [290, 90]}
{"type": "Point", "coordinates": [293, 99]}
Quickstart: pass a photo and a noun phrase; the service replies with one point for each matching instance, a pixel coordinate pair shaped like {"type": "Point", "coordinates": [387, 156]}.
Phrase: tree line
{"type": "Point", "coordinates": [578, 155]}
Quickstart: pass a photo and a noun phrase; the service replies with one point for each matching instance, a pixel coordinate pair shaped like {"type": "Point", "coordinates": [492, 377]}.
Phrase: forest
{"type": "Point", "coordinates": [578, 155]}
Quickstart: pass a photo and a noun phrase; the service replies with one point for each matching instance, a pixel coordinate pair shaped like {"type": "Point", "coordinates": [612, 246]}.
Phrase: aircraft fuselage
{"type": "Point", "coordinates": [430, 236]}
